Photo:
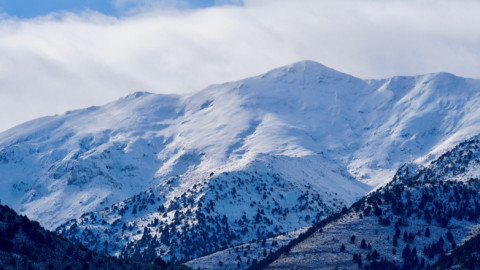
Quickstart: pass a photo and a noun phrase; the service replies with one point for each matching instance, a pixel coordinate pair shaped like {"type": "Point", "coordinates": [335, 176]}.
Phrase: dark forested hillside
{"type": "Point", "coordinates": [466, 256]}
{"type": "Point", "coordinates": [24, 244]}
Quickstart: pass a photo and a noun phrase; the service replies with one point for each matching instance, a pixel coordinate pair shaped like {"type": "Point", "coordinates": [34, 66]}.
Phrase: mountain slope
{"type": "Point", "coordinates": [26, 245]}
{"type": "Point", "coordinates": [466, 256]}
{"type": "Point", "coordinates": [408, 224]}
{"type": "Point", "coordinates": [242, 256]}
{"type": "Point", "coordinates": [221, 210]}
{"type": "Point", "coordinates": [313, 135]}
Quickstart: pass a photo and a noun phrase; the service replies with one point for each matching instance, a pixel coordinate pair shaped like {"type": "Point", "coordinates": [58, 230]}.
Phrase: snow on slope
{"type": "Point", "coordinates": [355, 131]}
{"type": "Point", "coordinates": [441, 198]}
{"type": "Point", "coordinates": [59, 167]}
{"type": "Point", "coordinates": [188, 217]}
{"type": "Point", "coordinates": [242, 256]}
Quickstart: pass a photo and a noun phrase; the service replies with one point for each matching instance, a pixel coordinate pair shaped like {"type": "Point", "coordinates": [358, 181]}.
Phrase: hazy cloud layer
{"type": "Point", "coordinates": [52, 64]}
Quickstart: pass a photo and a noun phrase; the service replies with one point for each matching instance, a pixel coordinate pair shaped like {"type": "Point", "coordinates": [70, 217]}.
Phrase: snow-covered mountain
{"type": "Point", "coordinates": [150, 174]}
{"type": "Point", "coordinates": [410, 223]}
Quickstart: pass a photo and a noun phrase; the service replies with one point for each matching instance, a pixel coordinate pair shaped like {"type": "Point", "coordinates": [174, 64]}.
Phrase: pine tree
{"type": "Point", "coordinates": [375, 254]}
{"type": "Point", "coordinates": [352, 239]}
{"type": "Point", "coordinates": [363, 245]}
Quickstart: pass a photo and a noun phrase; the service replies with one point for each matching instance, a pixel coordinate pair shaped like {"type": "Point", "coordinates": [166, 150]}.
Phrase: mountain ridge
{"type": "Point", "coordinates": [303, 131]}
{"type": "Point", "coordinates": [436, 206]}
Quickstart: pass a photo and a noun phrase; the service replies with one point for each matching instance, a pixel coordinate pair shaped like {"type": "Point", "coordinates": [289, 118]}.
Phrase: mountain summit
{"type": "Point", "coordinates": [250, 159]}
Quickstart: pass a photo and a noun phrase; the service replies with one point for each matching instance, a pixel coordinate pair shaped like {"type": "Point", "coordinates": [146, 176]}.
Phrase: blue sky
{"type": "Point", "coordinates": [33, 8]}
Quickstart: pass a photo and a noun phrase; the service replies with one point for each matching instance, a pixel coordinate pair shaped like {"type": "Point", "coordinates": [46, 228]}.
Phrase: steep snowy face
{"type": "Point", "coordinates": [283, 112]}
{"type": "Point", "coordinates": [59, 167]}
{"type": "Point", "coordinates": [428, 115]}
{"type": "Point", "coordinates": [372, 127]}
{"type": "Point", "coordinates": [56, 168]}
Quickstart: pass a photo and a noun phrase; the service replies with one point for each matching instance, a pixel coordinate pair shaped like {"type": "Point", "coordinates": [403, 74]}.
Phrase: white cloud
{"type": "Point", "coordinates": [49, 65]}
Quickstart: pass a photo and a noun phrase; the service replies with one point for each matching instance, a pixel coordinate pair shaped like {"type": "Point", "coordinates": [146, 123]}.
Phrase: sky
{"type": "Point", "coordinates": [119, 8]}
{"type": "Point", "coordinates": [58, 55]}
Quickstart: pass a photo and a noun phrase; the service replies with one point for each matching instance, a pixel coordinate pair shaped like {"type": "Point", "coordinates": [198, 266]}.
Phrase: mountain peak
{"type": "Point", "coordinates": [307, 68]}
{"type": "Point", "coordinates": [137, 95]}
{"type": "Point", "coordinates": [310, 65]}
